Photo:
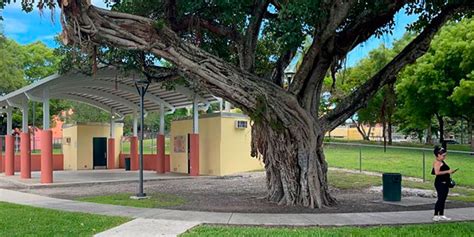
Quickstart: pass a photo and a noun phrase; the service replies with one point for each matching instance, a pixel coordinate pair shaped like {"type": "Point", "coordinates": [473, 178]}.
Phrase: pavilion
{"type": "Point", "coordinates": [108, 90]}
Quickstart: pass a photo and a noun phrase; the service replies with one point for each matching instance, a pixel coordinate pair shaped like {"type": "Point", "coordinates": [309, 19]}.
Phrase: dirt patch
{"type": "Point", "coordinates": [239, 193]}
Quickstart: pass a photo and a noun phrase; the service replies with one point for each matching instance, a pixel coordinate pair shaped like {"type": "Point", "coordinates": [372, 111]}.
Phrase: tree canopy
{"type": "Point", "coordinates": [238, 50]}
{"type": "Point", "coordinates": [438, 83]}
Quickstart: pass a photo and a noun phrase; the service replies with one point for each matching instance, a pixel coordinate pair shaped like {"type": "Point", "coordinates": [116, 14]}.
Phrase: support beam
{"type": "Point", "coordinates": [9, 155]}
{"type": "Point", "coordinates": [111, 153]}
{"type": "Point", "coordinates": [24, 112]}
{"type": "Point", "coordinates": [9, 113]}
{"type": "Point", "coordinates": [88, 83]}
{"type": "Point", "coordinates": [89, 102]}
{"type": "Point", "coordinates": [195, 116]}
{"type": "Point", "coordinates": [162, 120]}
{"type": "Point", "coordinates": [46, 115]}
{"type": "Point", "coordinates": [33, 97]}
{"type": "Point", "coordinates": [25, 155]}
{"type": "Point", "coordinates": [96, 93]}
{"type": "Point", "coordinates": [134, 153]}
{"type": "Point", "coordinates": [227, 106]}
{"type": "Point", "coordinates": [46, 144]}
{"type": "Point", "coordinates": [135, 124]}
{"type": "Point", "coordinates": [112, 126]}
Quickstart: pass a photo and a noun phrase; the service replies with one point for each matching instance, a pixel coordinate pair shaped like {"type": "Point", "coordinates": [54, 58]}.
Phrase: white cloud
{"type": "Point", "coordinates": [14, 26]}
{"type": "Point", "coordinates": [45, 37]}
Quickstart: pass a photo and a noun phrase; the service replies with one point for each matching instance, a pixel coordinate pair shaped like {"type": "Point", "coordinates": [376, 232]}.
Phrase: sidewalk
{"type": "Point", "coordinates": [161, 219]}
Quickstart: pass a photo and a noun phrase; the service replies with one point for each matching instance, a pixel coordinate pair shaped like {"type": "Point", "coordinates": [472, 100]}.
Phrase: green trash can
{"type": "Point", "coordinates": [392, 187]}
{"type": "Point", "coordinates": [127, 163]}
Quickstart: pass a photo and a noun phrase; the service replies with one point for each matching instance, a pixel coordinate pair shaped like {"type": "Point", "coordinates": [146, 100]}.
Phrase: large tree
{"type": "Point", "coordinates": [224, 47]}
{"type": "Point", "coordinates": [436, 85]}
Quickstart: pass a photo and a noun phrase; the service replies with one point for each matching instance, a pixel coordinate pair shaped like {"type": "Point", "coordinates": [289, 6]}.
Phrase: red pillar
{"type": "Point", "coordinates": [2, 160]}
{"type": "Point", "coordinates": [111, 154]}
{"type": "Point", "coordinates": [25, 160]}
{"type": "Point", "coordinates": [9, 155]}
{"type": "Point", "coordinates": [134, 153]}
{"type": "Point", "coordinates": [194, 154]}
{"type": "Point", "coordinates": [160, 148]}
{"type": "Point", "coordinates": [46, 143]}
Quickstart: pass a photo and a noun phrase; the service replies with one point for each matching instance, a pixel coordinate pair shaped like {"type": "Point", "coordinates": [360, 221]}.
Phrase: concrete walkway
{"type": "Point", "coordinates": [166, 222]}
{"type": "Point", "coordinates": [89, 177]}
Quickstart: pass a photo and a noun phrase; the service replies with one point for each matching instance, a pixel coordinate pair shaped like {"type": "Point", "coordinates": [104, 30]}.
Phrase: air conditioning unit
{"type": "Point", "coordinates": [241, 124]}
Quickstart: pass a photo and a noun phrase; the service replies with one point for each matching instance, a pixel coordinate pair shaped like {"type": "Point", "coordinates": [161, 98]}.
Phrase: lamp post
{"type": "Point", "coordinates": [142, 87]}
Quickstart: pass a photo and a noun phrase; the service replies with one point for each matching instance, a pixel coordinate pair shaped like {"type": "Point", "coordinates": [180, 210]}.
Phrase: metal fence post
{"type": "Point", "coordinates": [424, 168]}
{"type": "Point", "coordinates": [360, 159]}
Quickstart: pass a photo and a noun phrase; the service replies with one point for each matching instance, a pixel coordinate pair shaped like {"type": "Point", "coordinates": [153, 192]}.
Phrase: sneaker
{"type": "Point", "coordinates": [435, 218]}
{"type": "Point", "coordinates": [444, 218]}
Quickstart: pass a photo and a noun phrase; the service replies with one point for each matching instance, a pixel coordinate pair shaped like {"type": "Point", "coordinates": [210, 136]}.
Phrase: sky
{"type": "Point", "coordinates": [30, 27]}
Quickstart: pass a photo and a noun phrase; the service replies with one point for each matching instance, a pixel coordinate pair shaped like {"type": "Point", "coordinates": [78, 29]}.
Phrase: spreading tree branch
{"type": "Point", "coordinates": [248, 44]}
{"type": "Point", "coordinates": [408, 55]}
{"type": "Point", "coordinates": [335, 48]}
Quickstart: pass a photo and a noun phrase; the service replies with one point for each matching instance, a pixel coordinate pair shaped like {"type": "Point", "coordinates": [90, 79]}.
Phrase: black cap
{"type": "Point", "coordinates": [439, 150]}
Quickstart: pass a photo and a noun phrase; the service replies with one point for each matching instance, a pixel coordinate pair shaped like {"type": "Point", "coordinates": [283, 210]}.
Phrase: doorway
{"type": "Point", "coordinates": [99, 147]}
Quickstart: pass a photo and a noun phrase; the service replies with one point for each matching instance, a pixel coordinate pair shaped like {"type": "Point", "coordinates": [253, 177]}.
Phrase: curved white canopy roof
{"type": "Point", "coordinates": [107, 90]}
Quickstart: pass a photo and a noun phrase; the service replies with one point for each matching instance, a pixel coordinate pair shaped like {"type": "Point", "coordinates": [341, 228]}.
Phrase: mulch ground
{"type": "Point", "coordinates": [240, 193]}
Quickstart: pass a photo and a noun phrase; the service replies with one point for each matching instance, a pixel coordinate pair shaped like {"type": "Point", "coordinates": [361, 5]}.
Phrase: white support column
{"type": "Point", "coordinates": [9, 120]}
{"type": "Point", "coordinates": [24, 111]}
{"type": "Point", "coordinates": [135, 124]}
{"type": "Point", "coordinates": [227, 107]}
{"type": "Point", "coordinates": [221, 103]}
{"type": "Point", "coordinates": [195, 116]}
{"type": "Point", "coordinates": [46, 116]}
{"type": "Point", "coordinates": [112, 126]}
{"type": "Point", "coordinates": [162, 119]}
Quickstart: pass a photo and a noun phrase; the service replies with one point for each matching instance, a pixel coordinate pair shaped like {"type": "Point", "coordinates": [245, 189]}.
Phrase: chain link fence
{"type": "Point", "coordinates": [35, 146]}
{"type": "Point", "coordinates": [149, 143]}
{"type": "Point", "coordinates": [409, 161]}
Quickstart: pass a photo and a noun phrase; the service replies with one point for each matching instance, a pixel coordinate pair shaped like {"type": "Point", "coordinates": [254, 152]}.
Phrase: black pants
{"type": "Point", "coordinates": [442, 189]}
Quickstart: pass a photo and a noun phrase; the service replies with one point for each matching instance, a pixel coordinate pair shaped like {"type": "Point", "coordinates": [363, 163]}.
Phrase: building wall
{"type": "Point", "coordinates": [209, 145]}
{"type": "Point", "coordinates": [36, 162]}
{"type": "Point", "coordinates": [78, 154]}
{"type": "Point", "coordinates": [178, 160]}
{"type": "Point", "coordinates": [339, 132]}
{"type": "Point", "coordinates": [70, 147]}
{"type": "Point", "coordinates": [223, 149]}
{"type": "Point", "coordinates": [235, 148]}
{"type": "Point", "coordinates": [351, 133]}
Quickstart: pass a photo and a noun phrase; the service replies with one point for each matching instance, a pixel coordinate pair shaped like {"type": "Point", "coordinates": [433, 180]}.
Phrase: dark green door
{"type": "Point", "coordinates": [99, 152]}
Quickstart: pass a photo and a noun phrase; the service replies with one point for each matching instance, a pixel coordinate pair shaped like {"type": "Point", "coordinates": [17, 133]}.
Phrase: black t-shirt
{"type": "Point", "coordinates": [443, 177]}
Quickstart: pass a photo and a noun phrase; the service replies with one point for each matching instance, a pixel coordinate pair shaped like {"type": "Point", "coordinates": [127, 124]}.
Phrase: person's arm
{"type": "Point", "coordinates": [437, 166]}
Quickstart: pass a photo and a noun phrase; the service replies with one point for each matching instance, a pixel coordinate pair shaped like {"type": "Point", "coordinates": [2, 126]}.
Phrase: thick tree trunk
{"type": "Point", "coordinates": [361, 130]}
{"type": "Point", "coordinates": [428, 134]}
{"type": "Point", "coordinates": [295, 168]}
{"type": "Point", "coordinates": [389, 130]}
{"type": "Point", "coordinates": [441, 128]}
{"type": "Point", "coordinates": [471, 133]}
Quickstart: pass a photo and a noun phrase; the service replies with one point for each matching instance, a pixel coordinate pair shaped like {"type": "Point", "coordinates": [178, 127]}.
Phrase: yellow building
{"type": "Point", "coordinates": [351, 133]}
{"type": "Point", "coordinates": [224, 144]}
{"type": "Point", "coordinates": [84, 145]}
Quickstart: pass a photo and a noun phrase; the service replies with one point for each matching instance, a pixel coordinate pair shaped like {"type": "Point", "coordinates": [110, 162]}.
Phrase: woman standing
{"type": "Point", "coordinates": [442, 180]}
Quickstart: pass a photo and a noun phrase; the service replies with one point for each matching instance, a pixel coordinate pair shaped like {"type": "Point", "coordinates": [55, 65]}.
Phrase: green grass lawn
{"type": "Point", "coordinates": [149, 146]}
{"type": "Point", "coordinates": [406, 162]}
{"type": "Point", "coordinates": [55, 151]}
{"type": "Point", "coordinates": [457, 147]}
{"type": "Point", "coordinates": [19, 220]}
{"type": "Point", "coordinates": [344, 180]}
{"type": "Point", "coordinates": [438, 229]}
{"type": "Point", "coordinates": [156, 200]}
